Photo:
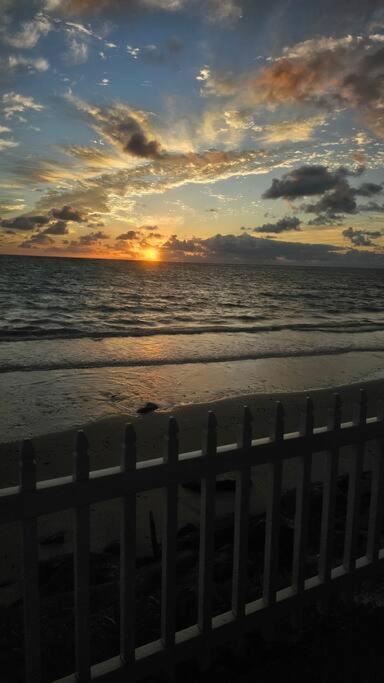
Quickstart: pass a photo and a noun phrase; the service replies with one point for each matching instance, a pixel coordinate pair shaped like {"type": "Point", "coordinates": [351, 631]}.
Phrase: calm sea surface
{"type": "Point", "coordinates": [63, 317]}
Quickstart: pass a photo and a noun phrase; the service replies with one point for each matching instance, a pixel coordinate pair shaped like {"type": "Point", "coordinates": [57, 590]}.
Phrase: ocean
{"type": "Point", "coordinates": [83, 339]}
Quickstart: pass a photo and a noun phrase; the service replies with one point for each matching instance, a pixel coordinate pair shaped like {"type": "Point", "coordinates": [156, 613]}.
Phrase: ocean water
{"type": "Point", "coordinates": [103, 335]}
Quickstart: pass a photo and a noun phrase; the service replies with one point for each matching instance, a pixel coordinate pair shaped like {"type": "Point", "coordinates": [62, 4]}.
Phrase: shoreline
{"type": "Point", "coordinates": [44, 402]}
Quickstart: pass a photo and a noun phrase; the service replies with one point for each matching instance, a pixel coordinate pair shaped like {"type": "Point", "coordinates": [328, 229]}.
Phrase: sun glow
{"type": "Point", "coordinates": [151, 254]}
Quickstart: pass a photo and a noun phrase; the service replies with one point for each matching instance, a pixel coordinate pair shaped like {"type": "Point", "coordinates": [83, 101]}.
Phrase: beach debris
{"type": "Point", "coordinates": [149, 407]}
{"type": "Point", "coordinates": [156, 549]}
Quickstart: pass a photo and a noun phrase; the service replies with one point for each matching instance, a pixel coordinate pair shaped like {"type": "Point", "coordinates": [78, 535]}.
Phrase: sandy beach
{"type": "Point", "coordinates": [54, 457]}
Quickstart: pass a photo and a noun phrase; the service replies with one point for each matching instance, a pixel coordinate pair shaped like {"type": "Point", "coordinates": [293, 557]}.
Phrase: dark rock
{"type": "Point", "coordinates": [55, 539]}
{"type": "Point", "coordinates": [147, 408]}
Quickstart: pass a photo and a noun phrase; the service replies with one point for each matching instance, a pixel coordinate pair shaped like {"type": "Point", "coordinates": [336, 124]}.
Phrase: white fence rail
{"type": "Point", "coordinates": [26, 502]}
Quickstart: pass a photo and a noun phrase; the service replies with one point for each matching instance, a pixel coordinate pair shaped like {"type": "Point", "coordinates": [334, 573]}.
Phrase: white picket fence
{"type": "Point", "coordinates": [30, 499]}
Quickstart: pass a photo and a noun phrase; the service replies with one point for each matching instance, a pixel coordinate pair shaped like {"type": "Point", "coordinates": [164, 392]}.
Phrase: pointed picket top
{"type": "Point", "coordinates": [27, 466]}
{"type": "Point", "coordinates": [309, 416]}
{"type": "Point", "coordinates": [210, 444]}
{"type": "Point", "coordinates": [81, 457]}
{"type": "Point", "coordinates": [172, 441]}
{"type": "Point", "coordinates": [128, 458]}
{"type": "Point", "coordinates": [246, 429]}
{"type": "Point", "coordinates": [363, 406]}
{"type": "Point", "coordinates": [279, 422]}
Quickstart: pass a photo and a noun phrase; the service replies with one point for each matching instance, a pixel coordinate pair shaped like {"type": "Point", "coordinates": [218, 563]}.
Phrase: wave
{"type": "Point", "coordinates": [80, 364]}
{"type": "Point", "coordinates": [32, 333]}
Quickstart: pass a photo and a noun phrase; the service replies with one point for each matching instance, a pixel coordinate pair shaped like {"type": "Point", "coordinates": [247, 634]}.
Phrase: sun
{"type": "Point", "coordinates": [151, 254]}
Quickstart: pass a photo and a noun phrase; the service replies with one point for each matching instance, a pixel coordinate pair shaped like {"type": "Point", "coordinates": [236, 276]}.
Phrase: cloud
{"type": "Point", "coordinates": [225, 11]}
{"type": "Point", "coordinates": [18, 64]}
{"type": "Point", "coordinates": [327, 73]}
{"type": "Point", "coordinates": [68, 213]}
{"type": "Point", "coordinates": [24, 223]}
{"type": "Point", "coordinates": [130, 235]}
{"type": "Point", "coordinates": [337, 195]}
{"type": "Point", "coordinates": [304, 181]}
{"type": "Point", "coordinates": [290, 131]}
{"type": "Point", "coordinates": [156, 176]}
{"type": "Point", "coordinates": [124, 127]}
{"type": "Point", "coordinates": [222, 85]}
{"type": "Point", "coordinates": [286, 224]}
{"type": "Point", "coordinates": [57, 228]}
{"type": "Point", "coordinates": [13, 103]}
{"type": "Point", "coordinates": [29, 33]}
{"type": "Point", "coordinates": [77, 52]}
{"type": "Point", "coordinates": [55, 219]}
{"type": "Point", "coordinates": [7, 143]}
{"type": "Point", "coordinates": [362, 238]}
{"type": "Point", "coordinates": [248, 249]}
{"type": "Point", "coordinates": [36, 241]}
{"type": "Point", "coordinates": [90, 239]}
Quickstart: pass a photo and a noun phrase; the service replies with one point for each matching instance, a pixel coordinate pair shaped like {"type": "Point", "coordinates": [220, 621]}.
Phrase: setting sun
{"type": "Point", "coordinates": [151, 254]}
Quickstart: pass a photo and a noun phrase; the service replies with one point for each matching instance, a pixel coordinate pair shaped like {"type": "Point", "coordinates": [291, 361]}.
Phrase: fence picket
{"type": "Point", "coordinates": [354, 493]}
{"type": "Point", "coordinates": [240, 550]}
{"type": "Point", "coordinates": [303, 492]}
{"type": "Point", "coordinates": [81, 565]}
{"type": "Point", "coordinates": [272, 524]}
{"type": "Point", "coordinates": [207, 528]}
{"type": "Point", "coordinates": [168, 598]}
{"type": "Point", "coordinates": [32, 498]}
{"type": "Point", "coordinates": [30, 564]}
{"type": "Point", "coordinates": [128, 553]}
{"type": "Point", "coordinates": [328, 507]}
{"type": "Point", "coordinates": [376, 504]}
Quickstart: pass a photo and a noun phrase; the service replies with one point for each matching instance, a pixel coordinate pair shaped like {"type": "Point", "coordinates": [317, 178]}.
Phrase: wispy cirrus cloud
{"type": "Point", "coordinates": [13, 103]}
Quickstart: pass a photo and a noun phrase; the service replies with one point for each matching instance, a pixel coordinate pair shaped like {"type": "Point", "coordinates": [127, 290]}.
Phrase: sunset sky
{"type": "Point", "coordinates": [215, 130]}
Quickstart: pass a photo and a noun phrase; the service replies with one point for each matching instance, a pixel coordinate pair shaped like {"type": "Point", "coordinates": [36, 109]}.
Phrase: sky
{"type": "Point", "coordinates": [199, 130]}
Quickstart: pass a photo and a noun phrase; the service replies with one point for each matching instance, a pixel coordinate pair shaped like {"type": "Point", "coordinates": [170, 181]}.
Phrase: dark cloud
{"type": "Point", "coordinates": [248, 249]}
{"type": "Point", "coordinates": [36, 241]}
{"type": "Point", "coordinates": [68, 213]}
{"type": "Point", "coordinates": [123, 127]}
{"type": "Point", "coordinates": [332, 204]}
{"type": "Point", "coordinates": [130, 235]}
{"type": "Point", "coordinates": [139, 145]}
{"type": "Point", "coordinates": [307, 181]}
{"type": "Point", "coordinates": [362, 238]}
{"type": "Point", "coordinates": [24, 223]}
{"type": "Point", "coordinates": [91, 238]}
{"type": "Point", "coordinates": [283, 225]}
{"type": "Point", "coordinates": [338, 197]}
{"type": "Point", "coordinates": [56, 228]}
{"type": "Point", "coordinates": [368, 189]}
{"type": "Point", "coordinates": [55, 220]}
